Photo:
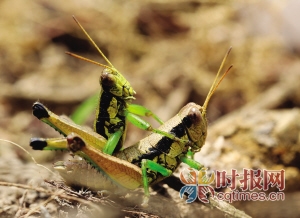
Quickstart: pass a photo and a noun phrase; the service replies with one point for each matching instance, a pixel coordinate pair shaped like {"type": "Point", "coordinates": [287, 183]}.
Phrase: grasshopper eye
{"type": "Point", "coordinates": [193, 118]}
{"type": "Point", "coordinates": [194, 115]}
{"type": "Point", "coordinates": [107, 80]}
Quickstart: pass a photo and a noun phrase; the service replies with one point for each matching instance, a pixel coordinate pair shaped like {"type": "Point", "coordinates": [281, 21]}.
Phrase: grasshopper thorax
{"type": "Point", "coordinates": [112, 81]}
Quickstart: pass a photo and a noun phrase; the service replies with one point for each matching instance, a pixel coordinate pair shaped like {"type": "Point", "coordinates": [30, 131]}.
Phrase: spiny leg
{"type": "Point", "coordinates": [66, 126]}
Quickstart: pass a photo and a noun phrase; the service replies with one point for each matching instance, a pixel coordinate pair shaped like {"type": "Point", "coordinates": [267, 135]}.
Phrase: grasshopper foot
{"type": "Point", "coordinates": [39, 110]}
{"type": "Point", "coordinates": [145, 201]}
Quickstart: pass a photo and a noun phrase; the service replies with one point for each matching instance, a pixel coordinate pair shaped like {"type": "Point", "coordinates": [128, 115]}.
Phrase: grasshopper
{"type": "Point", "coordinates": [114, 108]}
{"type": "Point", "coordinates": [154, 157]}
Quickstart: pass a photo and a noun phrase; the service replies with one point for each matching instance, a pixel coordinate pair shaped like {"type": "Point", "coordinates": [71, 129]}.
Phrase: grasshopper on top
{"type": "Point", "coordinates": [114, 106]}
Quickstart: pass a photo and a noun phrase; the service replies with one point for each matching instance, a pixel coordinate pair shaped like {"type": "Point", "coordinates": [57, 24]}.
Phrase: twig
{"type": "Point", "coordinates": [227, 208]}
{"type": "Point", "coordinates": [21, 203]}
{"type": "Point", "coordinates": [50, 193]}
{"type": "Point", "coordinates": [37, 207]}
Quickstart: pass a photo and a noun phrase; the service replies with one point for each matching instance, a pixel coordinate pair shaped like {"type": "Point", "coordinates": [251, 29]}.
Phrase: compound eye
{"type": "Point", "coordinates": [194, 115]}
{"type": "Point", "coordinates": [107, 79]}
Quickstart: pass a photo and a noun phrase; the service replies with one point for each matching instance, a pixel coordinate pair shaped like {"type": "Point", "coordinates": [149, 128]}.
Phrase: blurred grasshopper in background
{"type": "Point", "coordinates": [148, 161]}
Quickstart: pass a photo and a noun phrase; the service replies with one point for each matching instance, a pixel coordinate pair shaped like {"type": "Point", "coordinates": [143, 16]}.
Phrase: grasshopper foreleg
{"type": "Point", "coordinates": [140, 123]}
{"type": "Point", "coordinates": [112, 142]}
{"type": "Point", "coordinates": [142, 111]}
{"type": "Point", "coordinates": [192, 163]}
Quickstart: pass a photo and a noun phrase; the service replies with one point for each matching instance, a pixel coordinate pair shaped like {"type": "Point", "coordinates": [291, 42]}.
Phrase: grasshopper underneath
{"type": "Point", "coordinates": [148, 161]}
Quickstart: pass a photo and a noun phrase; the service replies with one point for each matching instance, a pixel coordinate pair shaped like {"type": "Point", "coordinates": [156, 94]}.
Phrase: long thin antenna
{"type": "Point", "coordinates": [88, 60]}
{"type": "Point", "coordinates": [217, 82]}
{"type": "Point", "coordinates": [92, 41]}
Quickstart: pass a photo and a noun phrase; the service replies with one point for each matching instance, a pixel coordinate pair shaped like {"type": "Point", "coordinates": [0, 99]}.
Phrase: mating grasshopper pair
{"type": "Point", "coordinates": [146, 162]}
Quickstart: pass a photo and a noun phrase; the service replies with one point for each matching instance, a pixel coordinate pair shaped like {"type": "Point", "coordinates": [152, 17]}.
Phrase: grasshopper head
{"type": "Point", "coordinates": [193, 116]}
{"type": "Point", "coordinates": [112, 81]}
{"type": "Point", "coordinates": [194, 119]}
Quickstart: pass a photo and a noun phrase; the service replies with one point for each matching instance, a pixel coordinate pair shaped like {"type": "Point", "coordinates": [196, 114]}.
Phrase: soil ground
{"type": "Point", "coordinates": [170, 52]}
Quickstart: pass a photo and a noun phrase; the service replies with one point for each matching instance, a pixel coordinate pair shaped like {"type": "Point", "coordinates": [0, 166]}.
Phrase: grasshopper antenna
{"type": "Point", "coordinates": [88, 60]}
{"type": "Point", "coordinates": [95, 45]}
{"type": "Point", "coordinates": [217, 82]}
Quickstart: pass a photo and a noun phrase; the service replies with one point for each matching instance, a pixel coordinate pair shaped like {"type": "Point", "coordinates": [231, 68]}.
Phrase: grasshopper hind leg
{"type": "Point", "coordinates": [48, 144]}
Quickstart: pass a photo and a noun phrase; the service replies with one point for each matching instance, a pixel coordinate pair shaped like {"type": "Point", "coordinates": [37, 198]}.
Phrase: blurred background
{"type": "Point", "coordinates": [170, 51]}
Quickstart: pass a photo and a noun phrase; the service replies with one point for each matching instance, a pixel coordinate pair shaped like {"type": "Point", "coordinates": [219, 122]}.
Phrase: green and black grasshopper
{"type": "Point", "coordinates": [114, 107]}
{"type": "Point", "coordinates": [148, 161]}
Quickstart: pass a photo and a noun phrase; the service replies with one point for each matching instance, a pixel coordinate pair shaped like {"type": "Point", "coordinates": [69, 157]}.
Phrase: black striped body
{"type": "Point", "coordinates": [164, 150]}
{"type": "Point", "coordinates": [110, 116]}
